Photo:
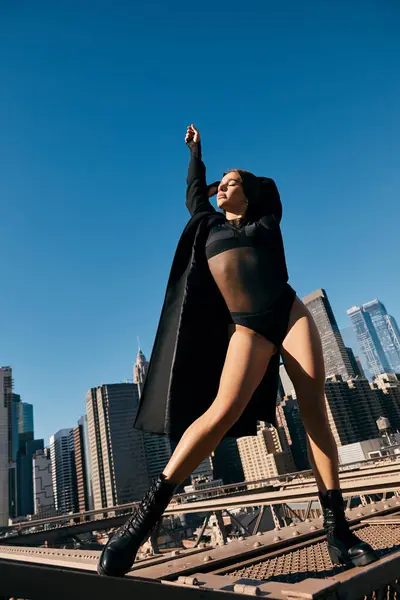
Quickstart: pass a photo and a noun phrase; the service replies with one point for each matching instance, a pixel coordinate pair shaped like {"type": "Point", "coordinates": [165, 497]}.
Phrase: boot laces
{"type": "Point", "coordinates": [141, 510]}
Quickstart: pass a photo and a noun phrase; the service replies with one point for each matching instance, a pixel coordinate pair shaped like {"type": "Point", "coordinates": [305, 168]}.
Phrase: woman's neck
{"type": "Point", "coordinates": [236, 222]}
{"type": "Point", "coordinates": [233, 217]}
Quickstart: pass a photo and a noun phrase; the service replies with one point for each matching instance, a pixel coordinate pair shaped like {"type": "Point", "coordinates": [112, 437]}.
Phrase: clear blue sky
{"type": "Point", "coordinates": [95, 98]}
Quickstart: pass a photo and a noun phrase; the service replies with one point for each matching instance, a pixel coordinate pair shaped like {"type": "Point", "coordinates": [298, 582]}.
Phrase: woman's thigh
{"type": "Point", "coordinates": [302, 354]}
{"type": "Point", "coordinates": [245, 364]}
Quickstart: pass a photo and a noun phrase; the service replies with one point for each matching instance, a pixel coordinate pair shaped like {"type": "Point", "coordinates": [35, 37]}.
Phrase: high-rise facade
{"type": "Point", "coordinates": [355, 363]}
{"type": "Point", "coordinates": [368, 340]}
{"type": "Point", "coordinates": [16, 399]}
{"type": "Point", "coordinates": [204, 470]}
{"type": "Point", "coordinates": [13, 446]}
{"type": "Point", "coordinates": [353, 408]}
{"type": "Point", "coordinates": [25, 494]}
{"type": "Point", "coordinates": [83, 423]}
{"type": "Point", "coordinates": [43, 493]}
{"type": "Point", "coordinates": [25, 418]}
{"type": "Point", "coordinates": [6, 450]}
{"type": "Point", "coordinates": [366, 407]}
{"type": "Point", "coordinates": [338, 398]}
{"type": "Point", "coordinates": [286, 382]}
{"type": "Point", "coordinates": [158, 448]}
{"type": "Point", "coordinates": [387, 331]}
{"type": "Point", "coordinates": [22, 446]}
{"type": "Point", "coordinates": [394, 332]}
{"type": "Point", "coordinates": [117, 451]}
{"type": "Point", "coordinates": [288, 416]}
{"type": "Point", "coordinates": [226, 463]}
{"type": "Point", "coordinates": [63, 470]}
{"type": "Point", "coordinates": [81, 499]}
{"type": "Point", "coordinates": [265, 455]}
{"type": "Point", "coordinates": [336, 358]}
{"type": "Point", "coordinates": [387, 385]}
{"type": "Point", "coordinates": [140, 370]}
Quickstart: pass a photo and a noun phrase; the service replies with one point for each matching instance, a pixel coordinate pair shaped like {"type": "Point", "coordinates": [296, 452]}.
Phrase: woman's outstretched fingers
{"type": "Point", "coordinates": [196, 136]}
{"type": "Point", "coordinates": [192, 135]}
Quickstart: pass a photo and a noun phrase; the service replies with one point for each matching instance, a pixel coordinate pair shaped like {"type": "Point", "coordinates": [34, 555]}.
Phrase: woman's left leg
{"type": "Point", "coordinates": [302, 355]}
{"type": "Point", "coordinates": [304, 363]}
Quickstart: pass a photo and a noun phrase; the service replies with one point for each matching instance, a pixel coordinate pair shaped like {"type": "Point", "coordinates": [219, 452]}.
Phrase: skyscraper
{"type": "Point", "coordinates": [341, 418]}
{"type": "Point", "coordinates": [22, 447]}
{"type": "Point", "coordinates": [336, 358]}
{"type": "Point", "coordinates": [366, 407]}
{"type": "Point", "coordinates": [394, 333]}
{"type": "Point", "coordinates": [140, 370]}
{"type": "Point", "coordinates": [158, 448]}
{"type": "Point", "coordinates": [63, 470]}
{"type": "Point", "coordinates": [25, 496]}
{"type": "Point", "coordinates": [265, 455]}
{"type": "Point", "coordinates": [43, 493]}
{"type": "Point", "coordinates": [25, 418]}
{"type": "Point", "coordinates": [16, 399]}
{"type": "Point", "coordinates": [355, 363]}
{"type": "Point", "coordinates": [204, 470]}
{"type": "Point", "coordinates": [288, 415]}
{"type": "Point", "coordinates": [81, 499]}
{"type": "Point", "coordinates": [368, 340]}
{"type": "Point", "coordinates": [13, 445]}
{"type": "Point", "coordinates": [286, 382]}
{"type": "Point", "coordinates": [83, 423]}
{"type": "Point", "coordinates": [117, 451]}
{"type": "Point", "coordinates": [5, 440]}
{"type": "Point", "coordinates": [387, 331]}
{"type": "Point", "coordinates": [226, 463]}
{"type": "Point", "coordinates": [387, 385]}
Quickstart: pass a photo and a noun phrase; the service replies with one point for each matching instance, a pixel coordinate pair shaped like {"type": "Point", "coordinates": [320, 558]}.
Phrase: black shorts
{"type": "Point", "coordinates": [273, 322]}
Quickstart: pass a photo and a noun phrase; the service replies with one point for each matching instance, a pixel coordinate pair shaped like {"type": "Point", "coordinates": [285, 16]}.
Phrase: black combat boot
{"type": "Point", "coordinates": [120, 551]}
{"type": "Point", "coordinates": [344, 546]}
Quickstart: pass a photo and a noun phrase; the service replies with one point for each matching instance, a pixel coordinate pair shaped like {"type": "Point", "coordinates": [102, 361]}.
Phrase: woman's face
{"type": "Point", "coordinates": [230, 195]}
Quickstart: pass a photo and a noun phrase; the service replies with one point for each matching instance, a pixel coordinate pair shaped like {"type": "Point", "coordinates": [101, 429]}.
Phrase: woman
{"type": "Point", "coordinates": [245, 257]}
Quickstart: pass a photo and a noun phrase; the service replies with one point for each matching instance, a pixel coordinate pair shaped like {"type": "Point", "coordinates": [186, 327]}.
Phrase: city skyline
{"type": "Point", "coordinates": [141, 364]}
{"type": "Point", "coordinates": [141, 356]}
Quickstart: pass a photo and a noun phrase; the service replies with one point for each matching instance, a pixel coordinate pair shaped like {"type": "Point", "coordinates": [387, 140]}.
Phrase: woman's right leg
{"type": "Point", "coordinates": [245, 365]}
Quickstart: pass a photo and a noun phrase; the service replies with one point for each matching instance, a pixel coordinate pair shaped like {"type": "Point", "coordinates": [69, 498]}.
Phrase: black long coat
{"type": "Point", "coordinates": [190, 346]}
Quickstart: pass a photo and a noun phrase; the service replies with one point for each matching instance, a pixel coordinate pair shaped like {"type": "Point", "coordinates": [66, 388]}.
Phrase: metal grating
{"type": "Point", "coordinates": [313, 560]}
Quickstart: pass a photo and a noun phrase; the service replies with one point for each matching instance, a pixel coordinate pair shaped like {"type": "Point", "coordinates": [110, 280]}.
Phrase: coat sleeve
{"type": "Point", "coordinates": [197, 189]}
{"type": "Point", "coordinates": [272, 205]}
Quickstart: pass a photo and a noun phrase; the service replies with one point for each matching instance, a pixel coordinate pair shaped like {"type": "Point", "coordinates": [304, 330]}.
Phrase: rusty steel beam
{"type": "Point", "coordinates": [201, 532]}
{"type": "Point", "coordinates": [259, 519]}
{"type": "Point", "coordinates": [238, 523]}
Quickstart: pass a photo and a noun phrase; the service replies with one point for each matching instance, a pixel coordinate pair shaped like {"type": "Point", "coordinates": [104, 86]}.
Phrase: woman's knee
{"type": "Point", "coordinates": [221, 415]}
{"type": "Point", "coordinates": [313, 408]}
{"type": "Point", "coordinates": [302, 347]}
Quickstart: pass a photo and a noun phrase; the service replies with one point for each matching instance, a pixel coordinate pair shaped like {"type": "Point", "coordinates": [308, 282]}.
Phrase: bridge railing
{"type": "Point", "coordinates": [281, 481]}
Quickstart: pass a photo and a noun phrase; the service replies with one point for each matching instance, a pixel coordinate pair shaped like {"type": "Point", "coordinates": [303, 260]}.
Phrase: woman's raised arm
{"type": "Point", "coordinates": [197, 191]}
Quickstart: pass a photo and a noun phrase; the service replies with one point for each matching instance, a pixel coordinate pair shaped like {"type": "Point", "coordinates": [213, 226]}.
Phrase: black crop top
{"type": "Point", "coordinates": [246, 259]}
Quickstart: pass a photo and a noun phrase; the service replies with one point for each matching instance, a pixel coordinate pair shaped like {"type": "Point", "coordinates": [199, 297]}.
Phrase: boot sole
{"type": "Point", "coordinates": [103, 573]}
{"type": "Point", "coordinates": [364, 559]}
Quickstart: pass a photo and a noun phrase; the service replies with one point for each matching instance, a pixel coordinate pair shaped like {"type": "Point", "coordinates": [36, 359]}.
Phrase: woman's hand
{"type": "Point", "coordinates": [192, 136]}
